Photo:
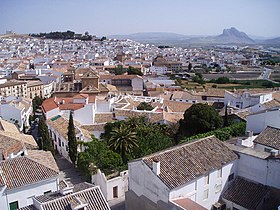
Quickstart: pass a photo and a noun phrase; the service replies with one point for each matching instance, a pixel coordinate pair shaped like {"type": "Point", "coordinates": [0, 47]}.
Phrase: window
{"type": "Point", "coordinates": [206, 179]}
{"type": "Point", "coordinates": [219, 173]}
{"type": "Point", "coordinates": [231, 177]}
{"type": "Point", "coordinates": [267, 149]}
{"type": "Point", "coordinates": [13, 205]}
{"type": "Point", "coordinates": [115, 191]}
{"type": "Point", "coordinates": [205, 194]}
{"type": "Point", "coordinates": [218, 188]}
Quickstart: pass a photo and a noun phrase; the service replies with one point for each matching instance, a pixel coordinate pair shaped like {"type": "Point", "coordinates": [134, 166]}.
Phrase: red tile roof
{"type": "Point", "coordinates": [188, 204]}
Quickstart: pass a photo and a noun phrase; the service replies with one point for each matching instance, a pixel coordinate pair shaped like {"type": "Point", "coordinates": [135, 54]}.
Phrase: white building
{"type": "Point", "coordinates": [25, 177]}
{"type": "Point", "coordinates": [58, 128]}
{"type": "Point", "coordinates": [16, 110]}
{"type": "Point", "coordinates": [197, 171]}
{"type": "Point", "coordinates": [112, 187]}
{"type": "Point", "coordinates": [257, 122]}
{"type": "Point", "coordinates": [246, 99]}
{"type": "Point", "coordinates": [158, 70]}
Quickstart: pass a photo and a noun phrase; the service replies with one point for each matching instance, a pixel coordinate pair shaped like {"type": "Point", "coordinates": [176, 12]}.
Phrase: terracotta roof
{"type": "Point", "coordinates": [49, 104]}
{"type": "Point", "coordinates": [269, 137]}
{"type": "Point", "coordinates": [10, 145]}
{"type": "Point", "coordinates": [126, 76]}
{"type": "Point", "coordinates": [271, 104]}
{"type": "Point", "coordinates": [72, 106]}
{"type": "Point", "coordinates": [246, 193]}
{"type": "Point", "coordinates": [92, 196]}
{"type": "Point", "coordinates": [80, 96]}
{"type": "Point", "coordinates": [183, 163]}
{"type": "Point", "coordinates": [212, 92]}
{"type": "Point", "coordinates": [7, 126]}
{"type": "Point", "coordinates": [89, 74]}
{"type": "Point", "coordinates": [188, 204]}
{"type": "Point", "coordinates": [44, 157]}
{"type": "Point", "coordinates": [22, 171]}
{"type": "Point", "coordinates": [103, 118]}
{"type": "Point", "coordinates": [185, 95]}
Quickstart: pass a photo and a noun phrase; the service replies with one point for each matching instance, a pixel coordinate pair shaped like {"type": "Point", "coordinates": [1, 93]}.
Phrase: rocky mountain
{"type": "Point", "coordinates": [232, 35]}
{"type": "Point", "coordinates": [228, 36]}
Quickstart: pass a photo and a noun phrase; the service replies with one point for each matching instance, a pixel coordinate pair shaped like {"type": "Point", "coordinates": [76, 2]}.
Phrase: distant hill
{"type": "Point", "coordinates": [154, 37]}
{"type": "Point", "coordinates": [275, 41]}
{"type": "Point", "coordinates": [232, 35]}
{"type": "Point", "coordinates": [228, 36]}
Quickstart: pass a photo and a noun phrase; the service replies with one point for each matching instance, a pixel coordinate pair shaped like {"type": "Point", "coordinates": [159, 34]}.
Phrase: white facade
{"type": "Point", "coordinates": [104, 106]}
{"type": "Point", "coordinates": [159, 70]}
{"type": "Point", "coordinates": [48, 89]}
{"type": "Point", "coordinates": [137, 84]}
{"type": "Point", "coordinates": [23, 195]}
{"type": "Point", "coordinates": [262, 170]}
{"type": "Point", "coordinates": [16, 111]}
{"type": "Point", "coordinates": [113, 188]}
{"type": "Point", "coordinates": [143, 181]}
{"type": "Point", "coordinates": [85, 115]}
{"type": "Point", "coordinates": [259, 121]}
{"type": "Point", "coordinates": [245, 99]}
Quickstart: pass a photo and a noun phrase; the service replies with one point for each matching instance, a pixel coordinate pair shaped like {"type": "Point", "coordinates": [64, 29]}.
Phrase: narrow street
{"type": "Point", "coordinates": [67, 170]}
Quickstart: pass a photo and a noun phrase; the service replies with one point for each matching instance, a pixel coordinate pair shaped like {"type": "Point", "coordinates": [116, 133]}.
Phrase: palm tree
{"type": "Point", "coordinates": [122, 140]}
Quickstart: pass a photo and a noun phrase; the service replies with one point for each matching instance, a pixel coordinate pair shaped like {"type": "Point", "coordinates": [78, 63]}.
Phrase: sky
{"type": "Point", "coordinates": [111, 17]}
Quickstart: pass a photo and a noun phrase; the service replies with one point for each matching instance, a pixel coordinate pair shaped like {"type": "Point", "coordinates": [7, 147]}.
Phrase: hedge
{"type": "Point", "coordinates": [223, 134]}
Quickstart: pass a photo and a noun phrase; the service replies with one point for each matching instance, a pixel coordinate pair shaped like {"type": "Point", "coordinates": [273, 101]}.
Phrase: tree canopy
{"type": "Point", "coordinates": [44, 140]}
{"type": "Point", "coordinates": [72, 141]}
{"type": "Point", "coordinates": [145, 106]}
{"type": "Point", "coordinates": [122, 140]}
{"type": "Point", "coordinates": [200, 118]}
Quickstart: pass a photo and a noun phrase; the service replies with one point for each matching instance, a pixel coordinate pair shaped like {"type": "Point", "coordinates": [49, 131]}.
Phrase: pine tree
{"type": "Point", "coordinates": [44, 140]}
{"type": "Point", "coordinates": [72, 141]}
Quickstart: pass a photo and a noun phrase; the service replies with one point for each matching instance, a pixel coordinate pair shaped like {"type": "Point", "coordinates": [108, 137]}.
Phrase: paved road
{"type": "Point", "coordinates": [67, 171]}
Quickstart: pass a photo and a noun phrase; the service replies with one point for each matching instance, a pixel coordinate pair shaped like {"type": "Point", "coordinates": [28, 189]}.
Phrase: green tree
{"type": "Point", "coordinates": [190, 66]}
{"type": "Point", "coordinates": [44, 140]}
{"type": "Point", "coordinates": [226, 123]}
{"type": "Point", "coordinates": [134, 71]}
{"type": "Point", "coordinates": [145, 106]}
{"type": "Point", "coordinates": [199, 118]}
{"type": "Point", "coordinates": [119, 70]}
{"type": "Point", "coordinates": [222, 80]}
{"type": "Point", "coordinates": [198, 78]}
{"type": "Point", "coordinates": [123, 141]}
{"type": "Point", "coordinates": [97, 153]}
{"type": "Point", "coordinates": [36, 103]}
{"type": "Point", "coordinates": [72, 141]}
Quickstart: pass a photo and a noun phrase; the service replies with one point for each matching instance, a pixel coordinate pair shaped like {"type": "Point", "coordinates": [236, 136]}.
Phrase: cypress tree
{"type": "Point", "coordinates": [226, 123]}
{"type": "Point", "coordinates": [72, 141]}
{"type": "Point", "coordinates": [44, 140]}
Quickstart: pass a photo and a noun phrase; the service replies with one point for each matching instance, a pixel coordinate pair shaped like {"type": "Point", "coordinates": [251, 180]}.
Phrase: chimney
{"type": "Point", "coordinates": [249, 133]}
{"type": "Point", "coordinates": [156, 166]}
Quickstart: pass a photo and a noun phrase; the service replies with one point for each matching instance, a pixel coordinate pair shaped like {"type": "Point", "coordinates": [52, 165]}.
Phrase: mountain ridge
{"type": "Point", "coordinates": [228, 36]}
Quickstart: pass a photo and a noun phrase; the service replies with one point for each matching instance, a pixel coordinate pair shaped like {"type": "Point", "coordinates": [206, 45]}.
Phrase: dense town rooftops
{"type": "Point", "coordinates": [185, 162]}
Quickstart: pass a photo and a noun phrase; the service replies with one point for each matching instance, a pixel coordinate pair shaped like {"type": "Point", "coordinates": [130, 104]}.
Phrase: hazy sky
{"type": "Point", "coordinates": [107, 17]}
